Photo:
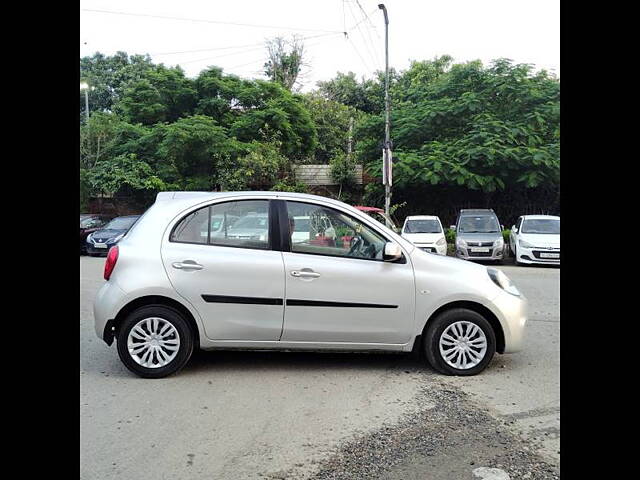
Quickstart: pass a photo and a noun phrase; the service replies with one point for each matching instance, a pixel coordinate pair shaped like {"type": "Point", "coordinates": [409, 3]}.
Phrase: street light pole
{"type": "Point", "coordinates": [85, 87]}
{"type": "Point", "coordinates": [387, 164]}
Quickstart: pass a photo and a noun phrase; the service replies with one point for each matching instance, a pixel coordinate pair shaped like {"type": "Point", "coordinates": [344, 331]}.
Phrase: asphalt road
{"type": "Point", "coordinates": [295, 415]}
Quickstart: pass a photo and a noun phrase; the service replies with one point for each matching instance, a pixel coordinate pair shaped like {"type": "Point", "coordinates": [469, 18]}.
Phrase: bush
{"type": "Point", "coordinates": [450, 235]}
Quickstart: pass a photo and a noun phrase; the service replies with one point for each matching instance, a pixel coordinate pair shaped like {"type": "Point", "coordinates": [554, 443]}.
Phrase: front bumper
{"type": "Point", "coordinates": [432, 248]}
{"type": "Point", "coordinates": [512, 314]}
{"type": "Point", "coordinates": [494, 253]}
{"type": "Point", "coordinates": [92, 250]}
{"type": "Point", "coordinates": [539, 256]}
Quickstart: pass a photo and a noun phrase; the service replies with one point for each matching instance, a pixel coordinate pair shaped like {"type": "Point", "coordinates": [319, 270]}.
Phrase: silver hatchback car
{"type": "Point", "coordinates": [350, 284]}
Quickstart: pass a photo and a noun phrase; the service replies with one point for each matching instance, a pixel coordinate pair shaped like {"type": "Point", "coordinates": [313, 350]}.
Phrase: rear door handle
{"type": "Point", "coordinates": [304, 274]}
{"type": "Point", "coordinates": [187, 265]}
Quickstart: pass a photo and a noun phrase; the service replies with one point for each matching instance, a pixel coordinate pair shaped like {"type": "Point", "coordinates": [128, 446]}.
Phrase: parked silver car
{"type": "Point", "coordinates": [361, 287]}
{"type": "Point", "coordinates": [479, 235]}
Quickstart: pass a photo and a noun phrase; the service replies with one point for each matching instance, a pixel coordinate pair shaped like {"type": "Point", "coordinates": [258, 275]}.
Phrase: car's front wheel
{"type": "Point", "coordinates": [459, 342]}
{"type": "Point", "coordinates": [155, 341]}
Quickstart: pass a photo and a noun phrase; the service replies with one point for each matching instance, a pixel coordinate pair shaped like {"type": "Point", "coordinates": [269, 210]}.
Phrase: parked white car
{"type": "Point", "coordinates": [536, 239]}
{"type": "Point", "coordinates": [168, 290]}
{"type": "Point", "coordinates": [426, 233]}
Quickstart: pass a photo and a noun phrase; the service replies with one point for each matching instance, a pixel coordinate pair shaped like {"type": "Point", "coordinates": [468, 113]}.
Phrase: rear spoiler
{"type": "Point", "coordinates": [166, 196]}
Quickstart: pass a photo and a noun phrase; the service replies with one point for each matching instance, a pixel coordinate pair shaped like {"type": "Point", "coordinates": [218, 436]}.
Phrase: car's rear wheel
{"type": "Point", "coordinates": [459, 342]}
{"type": "Point", "coordinates": [155, 341]}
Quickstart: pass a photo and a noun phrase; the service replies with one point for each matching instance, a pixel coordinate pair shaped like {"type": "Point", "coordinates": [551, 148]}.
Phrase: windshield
{"type": "Point", "coordinates": [122, 223]}
{"type": "Point", "coordinates": [250, 222]}
{"type": "Point", "coordinates": [544, 226]}
{"type": "Point", "coordinates": [479, 224]}
{"type": "Point", "coordinates": [422, 226]}
{"type": "Point", "coordinates": [86, 221]}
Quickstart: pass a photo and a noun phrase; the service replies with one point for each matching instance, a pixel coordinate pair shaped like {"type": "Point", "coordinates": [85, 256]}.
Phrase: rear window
{"type": "Point", "coordinates": [243, 223]}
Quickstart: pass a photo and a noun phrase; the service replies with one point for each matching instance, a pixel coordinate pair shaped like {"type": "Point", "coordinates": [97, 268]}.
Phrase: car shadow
{"type": "Point", "coordinates": [313, 362]}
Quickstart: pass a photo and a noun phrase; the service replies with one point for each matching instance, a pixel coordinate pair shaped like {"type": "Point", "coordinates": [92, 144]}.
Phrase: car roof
{"type": "Point", "coordinates": [540, 217]}
{"type": "Point", "coordinates": [476, 211]}
{"type": "Point", "coordinates": [422, 217]}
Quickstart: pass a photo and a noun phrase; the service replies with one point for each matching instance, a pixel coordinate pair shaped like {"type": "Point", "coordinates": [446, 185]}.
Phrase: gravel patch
{"type": "Point", "coordinates": [449, 437]}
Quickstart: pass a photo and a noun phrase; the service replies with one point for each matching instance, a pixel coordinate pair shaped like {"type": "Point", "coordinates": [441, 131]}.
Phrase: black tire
{"type": "Point", "coordinates": [439, 324]}
{"type": "Point", "coordinates": [168, 314]}
{"type": "Point", "coordinates": [515, 255]}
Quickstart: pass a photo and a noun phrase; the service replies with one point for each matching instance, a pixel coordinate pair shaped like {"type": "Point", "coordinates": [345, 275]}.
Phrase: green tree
{"type": "Point", "coordinates": [108, 76]}
{"type": "Point", "coordinates": [260, 167]}
{"type": "Point", "coordinates": [199, 150]}
{"type": "Point", "coordinates": [161, 95]}
{"type": "Point", "coordinates": [483, 128]}
{"type": "Point", "coordinates": [285, 61]}
{"type": "Point", "coordinates": [123, 175]}
{"type": "Point", "coordinates": [366, 95]}
{"type": "Point", "coordinates": [273, 114]}
{"type": "Point", "coordinates": [332, 120]}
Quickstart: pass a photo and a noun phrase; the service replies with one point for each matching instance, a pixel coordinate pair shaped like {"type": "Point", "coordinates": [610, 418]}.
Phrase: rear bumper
{"type": "Point", "coordinates": [108, 302]}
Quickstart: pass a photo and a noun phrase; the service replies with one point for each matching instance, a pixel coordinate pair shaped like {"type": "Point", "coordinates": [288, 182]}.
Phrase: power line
{"type": "Point", "coordinates": [366, 15]}
{"type": "Point", "coordinates": [368, 30]}
{"type": "Point", "coordinates": [369, 52]}
{"type": "Point", "coordinates": [254, 49]}
{"type": "Point", "coordinates": [200, 20]}
{"type": "Point", "coordinates": [237, 46]}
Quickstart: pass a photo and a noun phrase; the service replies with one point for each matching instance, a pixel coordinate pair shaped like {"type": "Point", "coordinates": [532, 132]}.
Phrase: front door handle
{"type": "Point", "coordinates": [187, 265]}
{"type": "Point", "coordinates": [304, 274]}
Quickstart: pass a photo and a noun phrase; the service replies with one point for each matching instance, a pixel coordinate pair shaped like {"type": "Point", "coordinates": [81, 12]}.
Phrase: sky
{"type": "Point", "coordinates": [231, 34]}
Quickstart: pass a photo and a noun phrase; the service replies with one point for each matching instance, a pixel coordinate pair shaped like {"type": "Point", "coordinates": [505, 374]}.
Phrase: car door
{"type": "Point", "coordinates": [338, 288]}
{"type": "Point", "coordinates": [234, 280]}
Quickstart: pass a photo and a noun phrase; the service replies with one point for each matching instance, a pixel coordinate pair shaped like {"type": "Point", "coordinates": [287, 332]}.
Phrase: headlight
{"type": "Point", "coordinates": [500, 279]}
{"type": "Point", "coordinates": [117, 239]}
{"type": "Point", "coordinates": [441, 242]}
{"type": "Point", "coordinates": [89, 237]}
{"type": "Point", "coordinates": [524, 244]}
{"type": "Point", "coordinates": [499, 242]}
{"type": "Point", "coordinates": [460, 242]}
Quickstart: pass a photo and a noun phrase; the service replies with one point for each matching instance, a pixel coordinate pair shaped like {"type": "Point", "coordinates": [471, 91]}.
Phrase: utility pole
{"type": "Point", "coordinates": [349, 145]}
{"type": "Point", "coordinates": [387, 164]}
{"type": "Point", "coordinates": [84, 86]}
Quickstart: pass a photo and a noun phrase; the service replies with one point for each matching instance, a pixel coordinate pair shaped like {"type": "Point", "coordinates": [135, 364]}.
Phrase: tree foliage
{"type": "Point", "coordinates": [457, 128]}
{"type": "Point", "coordinates": [484, 128]}
{"type": "Point", "coordinates": [285, 61]}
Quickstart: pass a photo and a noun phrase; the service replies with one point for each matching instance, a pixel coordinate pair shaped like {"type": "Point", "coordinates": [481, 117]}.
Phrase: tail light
{"type": "Point", "coordinates": [112, 258]}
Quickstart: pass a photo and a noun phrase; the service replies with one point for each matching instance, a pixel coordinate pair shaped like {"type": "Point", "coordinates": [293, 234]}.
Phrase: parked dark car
{"type": "Point", "coordinates": [90, 223]}
{"type": "Point", "coordinates": [99, 242]}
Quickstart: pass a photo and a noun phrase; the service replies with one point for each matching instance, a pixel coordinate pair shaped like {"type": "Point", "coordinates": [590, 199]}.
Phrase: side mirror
{"type": "Point", "coordinates": [501, 227]}
{"type": "Point", "coordinates": [514, 229]}
{"type": "Point", "coordinates": [453, 227]}
{"type": "Point", "coordinates": [392, 252]}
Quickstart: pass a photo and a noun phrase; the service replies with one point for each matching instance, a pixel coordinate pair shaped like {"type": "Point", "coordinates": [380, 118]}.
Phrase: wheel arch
{"type": "Point", "coordinates": [113, 325]}
{"type": "Point", "coordinates": [478, 308]}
